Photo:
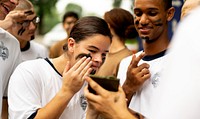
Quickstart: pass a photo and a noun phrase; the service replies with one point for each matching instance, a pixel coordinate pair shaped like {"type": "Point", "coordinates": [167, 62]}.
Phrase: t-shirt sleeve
{"type": "Point", "coordinates": [23, 92]}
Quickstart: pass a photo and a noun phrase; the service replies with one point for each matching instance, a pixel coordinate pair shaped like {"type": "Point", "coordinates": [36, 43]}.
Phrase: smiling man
{"type": "Point", "coordinates": [141, 78]}
{"type": "Point", "coordinates": [25, 30]}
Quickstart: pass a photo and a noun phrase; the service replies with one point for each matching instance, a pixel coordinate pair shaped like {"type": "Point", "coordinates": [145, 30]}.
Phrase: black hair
{"type": "Point", "coordinates": [70, 14]}
{"type": "Point", "coordinates": [167, 4]}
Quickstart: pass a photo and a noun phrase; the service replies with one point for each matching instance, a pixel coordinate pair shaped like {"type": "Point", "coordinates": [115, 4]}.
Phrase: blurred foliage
{"type": "Point", "coordinates": [117, 3]}
{"type": "Point", "coordinates": [75, 8]}
{"type": "Point", "coordinates": [49, 16]}
{"type": "Point", "coordinates": [47, 12]}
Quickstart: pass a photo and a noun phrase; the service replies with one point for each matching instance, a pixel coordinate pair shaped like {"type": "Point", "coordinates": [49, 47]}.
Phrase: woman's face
{"type": "Point", "coordinates": [97, 46]}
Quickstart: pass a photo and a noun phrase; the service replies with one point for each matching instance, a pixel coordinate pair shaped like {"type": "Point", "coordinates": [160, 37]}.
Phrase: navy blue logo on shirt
{"type": "Point", "coordinates": [83, 102]}
{"type": "Point", "coordinates": [4, 53]}
{"type": "Point", "coordinates": [155, 80]}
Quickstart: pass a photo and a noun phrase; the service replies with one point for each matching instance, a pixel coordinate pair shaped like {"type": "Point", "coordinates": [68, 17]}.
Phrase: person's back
{"type": "Point", "coordinates": [25, 31]}
{"type": "Point", "coordinates": [140, 73]}
{"type": "Point", "coordinates": [121, 24]}
{"type": "Point", "coordinates": [69, 19]}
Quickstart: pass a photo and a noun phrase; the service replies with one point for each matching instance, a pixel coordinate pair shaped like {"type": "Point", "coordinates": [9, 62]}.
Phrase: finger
{"type": "Point", "coordinates": [90, 96]}
{"type": "Point", "coordinates": [77, 64]}
{"type": "Point", "coordinates": [146, 76]}
{"type": "Point", "coordinates": [135, 60]}
{"type": "Point", "coordinates": [99, 90]}
{"type": "Point", "coordinates": [142, 67]}
{"type": "Point", "coordinates": [87, 73]}
{"type": "Point", "coordinates": [83, 68]}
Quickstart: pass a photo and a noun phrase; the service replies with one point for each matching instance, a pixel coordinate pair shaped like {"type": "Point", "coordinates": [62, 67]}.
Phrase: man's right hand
{"type": "Point", "coordinates": [11, 18]}
{"type": "Point", "coordinates": [136, 76]}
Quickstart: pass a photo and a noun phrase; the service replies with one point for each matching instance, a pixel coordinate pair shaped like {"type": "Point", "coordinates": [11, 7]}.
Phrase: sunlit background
{"type": "Point", "coordinates": [51, 12]}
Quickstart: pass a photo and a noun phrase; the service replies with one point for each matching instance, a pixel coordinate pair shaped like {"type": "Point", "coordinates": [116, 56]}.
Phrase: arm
{"type": "Point", "coordinates": [72, 83]}
{"type": "Point", "coordinates": [108, 104]}
{"type": "Point", "coordinates": [136, 76]}
{"type": "Point", "coordinates": [5, 109]}
{"type": "Point", "coordinates": [25, 94]}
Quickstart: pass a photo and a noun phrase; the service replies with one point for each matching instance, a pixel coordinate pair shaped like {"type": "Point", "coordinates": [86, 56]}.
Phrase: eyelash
{"type": "Point", "coordinates": [139, 14]}
{"type": "Point", "coordinates": [92, 51]}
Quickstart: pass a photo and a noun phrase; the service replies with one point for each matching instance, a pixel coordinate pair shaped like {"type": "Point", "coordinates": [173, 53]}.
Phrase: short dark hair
{"type": "Point", "coordinates": [70, 14]}
{"type": "Point", "coordinates": [89, 26]}
{"type": "Point", "coordinates": [168, 4]}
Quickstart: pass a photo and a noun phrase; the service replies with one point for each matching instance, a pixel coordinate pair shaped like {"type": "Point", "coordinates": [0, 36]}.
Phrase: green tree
{"type": "Point", "coordinates": [47, 12]}
{"type": "Point", "coordinates": [117, 3]}
{"type": "Point", "coordinates": [74, 7]}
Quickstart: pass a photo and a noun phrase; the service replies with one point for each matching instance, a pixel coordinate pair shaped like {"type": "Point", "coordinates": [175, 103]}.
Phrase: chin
{"type": "Point", "coordinates": [32, 37]}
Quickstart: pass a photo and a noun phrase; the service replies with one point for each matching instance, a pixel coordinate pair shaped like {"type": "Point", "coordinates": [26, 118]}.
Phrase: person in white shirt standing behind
{"type": "Point", "coordinates": [25, 30]}
{"type": "Point", "coordinates": [9, 48]}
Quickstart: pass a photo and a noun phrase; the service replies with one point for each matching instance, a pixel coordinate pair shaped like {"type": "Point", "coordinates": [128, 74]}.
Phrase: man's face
{"type": "Point", "coordinates": [6, 6]}
{"type": "Point", "coordinates": [97, 46]}
{"type": "Point", "coordinates": [150, 18]}
{"type": "Point", "coordinates": [25, 30]}
{"type": "Point", "coordinates": [68, 24]}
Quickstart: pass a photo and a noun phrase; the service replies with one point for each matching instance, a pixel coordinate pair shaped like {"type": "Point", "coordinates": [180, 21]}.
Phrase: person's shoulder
{"type": "Point", "coordinates": [6, 36]}
{"type": "Point", "coordinates": [37, 45]}
{"type": "Point", "coordinates": [30, 63]}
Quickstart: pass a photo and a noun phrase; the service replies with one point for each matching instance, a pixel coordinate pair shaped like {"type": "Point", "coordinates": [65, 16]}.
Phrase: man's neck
{"type": "Point", "coordinates": [155, 47]}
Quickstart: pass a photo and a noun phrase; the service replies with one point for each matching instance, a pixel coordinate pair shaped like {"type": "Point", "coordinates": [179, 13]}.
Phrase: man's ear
{"type": "Point", "coordinates": [71, 43]}
{"type": "Point", "coordinates": [170, 13]}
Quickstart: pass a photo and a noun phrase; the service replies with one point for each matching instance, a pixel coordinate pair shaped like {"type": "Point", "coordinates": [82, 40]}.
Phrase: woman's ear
{"type": "Point", "coordinates": [71, 44]}
{"type": "Point", "coordinates": [170, 13]}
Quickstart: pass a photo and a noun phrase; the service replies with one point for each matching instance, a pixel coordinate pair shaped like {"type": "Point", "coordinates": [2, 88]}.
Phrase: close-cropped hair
{"type": "Point", "coordinates": [167, 4]}
{"type": "Point", "coordinates": [23, 5]}
{"type": "Point", "coordinates": [89, 26]}
{"type": "Point", "coordinates": [122, 22]}
{"type": "Point", "coordinates": [70, 14]}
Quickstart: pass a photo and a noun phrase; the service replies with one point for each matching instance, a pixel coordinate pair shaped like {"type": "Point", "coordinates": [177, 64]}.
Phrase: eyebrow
{"type": "Point", "coordinates": [96, 48]}
{"type": "Point", "coordinates": [29, 12]}
{"type": "Point", "coordinates": [147, 9]}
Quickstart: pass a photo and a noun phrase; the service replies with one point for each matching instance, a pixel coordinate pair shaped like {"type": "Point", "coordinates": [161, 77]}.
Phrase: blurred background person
{"type": "Point", "coordinates": [178, 96]}
{"type": "Point", "coordinates": [121, 24]}
{"type": "Point", "coordinates": [69, 19]}
{"type": "Point", "coordinates": [25, 31]}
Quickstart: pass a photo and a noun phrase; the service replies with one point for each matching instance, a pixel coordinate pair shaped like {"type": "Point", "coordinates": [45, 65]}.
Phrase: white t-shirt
{"type": "Point", "coordinates": [178, 96]}
{"type": "Point", "coordinates": [35, 51]}
{"type": "Point", "coordinates": [10, 57]}
{"type": "Point", "coordinates": [142, 100]}
{"type": "Point", "coordinates": [33, 84]}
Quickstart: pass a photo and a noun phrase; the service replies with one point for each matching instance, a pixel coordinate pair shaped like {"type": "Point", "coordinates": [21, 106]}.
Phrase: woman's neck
{"type": "Point", "coordinates": [116, 45]}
